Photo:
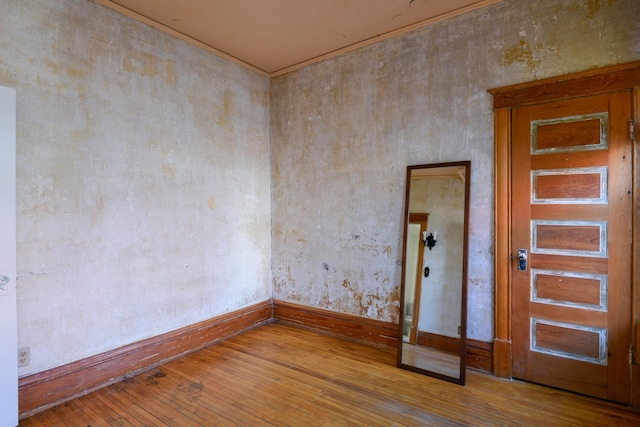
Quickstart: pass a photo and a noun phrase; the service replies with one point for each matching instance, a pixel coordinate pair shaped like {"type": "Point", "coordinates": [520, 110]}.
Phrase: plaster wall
{"type": "Point", "coordinates": [343, 131]}
{"type": "Point", "coordinates": [133, 146]}
{"type": "Point", "coordinates": [143, 180]}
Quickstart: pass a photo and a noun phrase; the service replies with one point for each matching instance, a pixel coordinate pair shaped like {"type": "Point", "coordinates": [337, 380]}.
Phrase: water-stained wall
{"type": "Point", "coordinates": [143, 180]}
{"type": "Point", "coordinates": [145, 188]}
{"type": "Point", "coordinates": [343, 131]}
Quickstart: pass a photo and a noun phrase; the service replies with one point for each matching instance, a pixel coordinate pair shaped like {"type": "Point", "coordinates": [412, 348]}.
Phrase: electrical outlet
{"type": "Point", "coordinates": [459, 330]}
{"type": "Point", "coordinates": [24, 356]}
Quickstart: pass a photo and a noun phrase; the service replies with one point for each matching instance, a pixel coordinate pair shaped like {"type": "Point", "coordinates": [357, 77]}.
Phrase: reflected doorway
{"type": "Point", "coordinates": [415, 260]}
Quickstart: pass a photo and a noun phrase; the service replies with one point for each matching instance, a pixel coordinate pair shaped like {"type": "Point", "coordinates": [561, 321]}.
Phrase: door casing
{"type": "Point", "coordinates": [591, 82]}
{"type": "Point", "coordinates": [8, 309]}
{"type": "Point", "coordinates": [422, 220]}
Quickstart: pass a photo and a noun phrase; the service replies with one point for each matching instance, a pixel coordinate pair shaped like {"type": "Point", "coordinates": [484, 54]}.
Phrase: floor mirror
{"type": "Point", "coordinates": [433, 316]}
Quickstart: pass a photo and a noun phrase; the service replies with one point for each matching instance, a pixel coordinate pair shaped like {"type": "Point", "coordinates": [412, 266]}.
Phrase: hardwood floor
{"type": "Point", "coordinates": [286, 376]}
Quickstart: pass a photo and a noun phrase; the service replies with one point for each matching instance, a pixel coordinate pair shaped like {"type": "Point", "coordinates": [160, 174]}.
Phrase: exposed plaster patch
{"type": "Point", "coordinates": [594, 6]}
{"type": "Point", "coordinates": [8, 78]}
{"type": "Point", "coordinates": [71, 72]}
{"type": "Point", "coordinates": [531, 55]}
{"type": "Point", "coordinates": [299, 238]}
{"type": "Point", "coordinates": [379, 303]}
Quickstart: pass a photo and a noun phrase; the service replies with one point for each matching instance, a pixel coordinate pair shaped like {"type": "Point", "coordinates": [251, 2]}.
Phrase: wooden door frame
{"type": "Point", "coordinates": [505, 99]}
{"type": "Point", "coordinates": [423, 220]}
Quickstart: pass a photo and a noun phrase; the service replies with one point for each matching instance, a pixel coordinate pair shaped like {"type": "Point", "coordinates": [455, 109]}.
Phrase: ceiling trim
{"type": "Point", "coordinates": [141, 18]}
{"type": "Point", "coordinates": [386, 36]}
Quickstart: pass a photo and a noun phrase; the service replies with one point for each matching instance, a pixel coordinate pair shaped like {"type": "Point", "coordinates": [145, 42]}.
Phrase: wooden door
{"type": "Point", "coordinates": [571, 212]}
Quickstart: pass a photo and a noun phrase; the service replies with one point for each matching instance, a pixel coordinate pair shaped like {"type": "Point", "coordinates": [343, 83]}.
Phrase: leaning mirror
{"type": "Point", "coordinates": [432, 336]}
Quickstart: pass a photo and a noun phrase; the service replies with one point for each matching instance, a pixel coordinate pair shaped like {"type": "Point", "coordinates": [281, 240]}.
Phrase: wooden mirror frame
{"type": "Point", "coordinates": [460, 379]}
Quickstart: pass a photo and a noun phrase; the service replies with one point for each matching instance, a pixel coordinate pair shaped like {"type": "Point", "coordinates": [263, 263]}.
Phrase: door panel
{"type": "Point", "coordinates": [571, 211]}
{"type": "Point", "coordinates": [588, 185]}
{"type": "Point", "coordinates": [569, 289]}
{"type": "Point", "coordinates": [8, 332]}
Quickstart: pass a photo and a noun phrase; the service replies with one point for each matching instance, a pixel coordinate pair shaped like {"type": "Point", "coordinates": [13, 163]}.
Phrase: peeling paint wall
{"type": "Point", "coordinates": [343, 131]}
{"type": "Point", "coordinates": [144, 176]}
{"type": "Point", "coordinates": [143, 180]}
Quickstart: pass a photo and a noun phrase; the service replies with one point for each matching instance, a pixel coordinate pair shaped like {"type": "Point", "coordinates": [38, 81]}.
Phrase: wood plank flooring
{"type": "Point", "coordinates": [278, 375]}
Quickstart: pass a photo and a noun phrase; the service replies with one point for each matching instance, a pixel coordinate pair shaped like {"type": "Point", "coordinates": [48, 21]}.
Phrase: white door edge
{"type": "Point", "coordinates": [8, 311]}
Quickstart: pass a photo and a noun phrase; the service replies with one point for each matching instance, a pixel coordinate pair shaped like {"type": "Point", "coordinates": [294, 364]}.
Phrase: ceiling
{"type": "Point", "coordinates": [273, 37]}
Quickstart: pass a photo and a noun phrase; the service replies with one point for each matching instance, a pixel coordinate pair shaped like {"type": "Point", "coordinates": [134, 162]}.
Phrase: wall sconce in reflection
{"type": "Point", "coordinates": [430, 240]}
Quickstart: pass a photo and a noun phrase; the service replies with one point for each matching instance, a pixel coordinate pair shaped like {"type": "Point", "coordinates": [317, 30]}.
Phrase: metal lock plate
{"type": "Point", "coordinates": [522, 259]}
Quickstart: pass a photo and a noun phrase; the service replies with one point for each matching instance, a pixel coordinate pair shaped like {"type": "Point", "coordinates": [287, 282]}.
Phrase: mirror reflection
{"type": "Point", "coordinates": [433, 312]}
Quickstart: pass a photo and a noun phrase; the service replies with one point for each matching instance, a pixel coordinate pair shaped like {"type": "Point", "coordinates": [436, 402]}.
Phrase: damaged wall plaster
{"type": "Point", "coordinates": [143, 180]}
{"type": "Point", "coordinates": [131, 146]}
{"type": "Point", "coordinates": [343, 130]}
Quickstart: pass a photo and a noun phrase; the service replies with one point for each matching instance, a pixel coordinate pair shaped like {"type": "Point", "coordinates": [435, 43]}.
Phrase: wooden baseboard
{"type": "Point", "coordinates": [439, 342]}
{"type": "Point", "coordinates": [479, 353]}
{"type": "Point", "coordinates": [635, 386]}
{"type": "Point", "coordinates": [502, 358]}
{"type": "Point", "coordinates": [43, 390]}
{"type": "Point", "coordinates": [368, 331]}
{"type": "Point", "coordinates": [49, 388]}
{"type": "Point", "coordinates": [347, 326]}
